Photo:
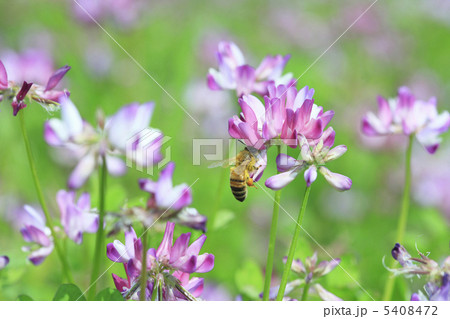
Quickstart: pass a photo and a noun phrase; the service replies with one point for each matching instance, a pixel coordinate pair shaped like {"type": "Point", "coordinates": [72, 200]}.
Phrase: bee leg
{"type": "Point", "coordinates": [249, 181]}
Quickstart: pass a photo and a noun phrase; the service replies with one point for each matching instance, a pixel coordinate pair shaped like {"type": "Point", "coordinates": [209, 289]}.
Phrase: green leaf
{"type": "Point", "coordinates": [69, 292]}
{"type": "Point", "coordinates": [250, 280]}
{"type": "Point", "coordinates": [223, 217]}
{"type": "Point", "coordinates": [109, 294]}
{"type": "Point", "coordinates": [24, 298]}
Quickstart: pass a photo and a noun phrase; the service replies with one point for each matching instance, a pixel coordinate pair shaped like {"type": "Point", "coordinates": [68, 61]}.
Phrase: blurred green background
{"type": "Point", "coordinates": [395, 43]}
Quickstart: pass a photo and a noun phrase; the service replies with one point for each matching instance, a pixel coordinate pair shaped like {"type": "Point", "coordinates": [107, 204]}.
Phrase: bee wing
{"type": "Point", "coordinates": [225, 163]}
{"type": "Point", "coordinates": [241, 168]}
{"type": "Point", "coordinates": [254, 152]}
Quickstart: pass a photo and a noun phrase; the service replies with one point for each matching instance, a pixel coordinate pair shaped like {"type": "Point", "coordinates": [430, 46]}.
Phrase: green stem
{"type": "Point", "coordinates": [99, 241]}
{"type": "Point", "coordinates": [287, 267]}
{"type": "Point", "coordinates": [272, 240]}
{"type": "Point", "coordinates": [155, 289]}
{"type": "Point", "coordinates": [403, 219]}
{"type": "Point", "coordinates": [61, 255]}
{"type": "Point", "coordinates": [144, 265]}
{"type": "Point", "coordinates": [305, 292]}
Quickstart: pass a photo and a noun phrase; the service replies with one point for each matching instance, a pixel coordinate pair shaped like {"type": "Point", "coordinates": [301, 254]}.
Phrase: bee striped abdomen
{"type": "Point", "coordinates": [238, 187]}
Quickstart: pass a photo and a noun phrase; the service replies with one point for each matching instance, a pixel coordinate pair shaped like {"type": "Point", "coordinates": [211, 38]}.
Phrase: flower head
{"type": "Point", "coordinates": [4, 261]}
{"type": "Point", "coordinates": [35, 231]}
{"type": "Point", "coordinates": [76, 217]}
{"type": "Point", "coordinates": [46, 95]}
{"type": "Point", "coordinates": [409, 116]}
{"type": "Point", "coordinates": [434, 292]}
{"type": "Point", "coordinates": [124, 134]}
{"type": "Point", "coordinates": [170, 202]}
{"type": "Point", "coordinates": [163, 194]}
{"type": "Point", "coordinates": [438, 287]}
{"type": "Point", "coordinates": [309, 272]}
{"type": "Point", "coordinates": [124, 13]}
{"type": "Point", "coordinates": [235, 74]}
{"type": "Point", "coordinates": [285, 114]}
{"type": "Point", "coordinates": [314, 158]}
{"type": "Point", "coordinates": [168, 266]}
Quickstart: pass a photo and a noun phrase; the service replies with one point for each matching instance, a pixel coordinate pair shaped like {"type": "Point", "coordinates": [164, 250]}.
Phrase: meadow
{"type": "Point", "coordinates": [136, 51]}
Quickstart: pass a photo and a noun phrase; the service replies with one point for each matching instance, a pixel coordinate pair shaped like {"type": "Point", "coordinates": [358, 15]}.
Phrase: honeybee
{"type": "Point", "coordinates": [243, 165]}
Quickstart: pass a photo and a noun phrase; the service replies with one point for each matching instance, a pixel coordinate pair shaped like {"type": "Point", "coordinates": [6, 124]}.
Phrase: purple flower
{"type": "Point", "coordinates": [309, 272]}
{"type": "Point", "coordinates": [125, 133]}
{"type": "Point", "coordinates": [180, 256]}
{"type": "Point", "coordinates": [314, 157]}
{"type": "Point", "coordinates": [17, 102]}
{"type": "Point", "coordinates": [418, 297]}
{"type": "Point", "coordinates": [128, 131]}
{"type": "Point", "coordinates": [123, 253]}
{"type": "Point", "coordinates": [34, 230]}
{"type": "Point", "coordinates": [235, 74]}
{"type": "Point", "coordinates": [190, 217]}
{"type": "Point", "coordinates": [4, 261]}
{"type": "Point", "coordinates": [31, 65]}
{"type": "Point", "coordinates": [437, 287]}
{"type": "Point", "coordinates": [310, 269]}
{"type": "Point", "coordinates": [163, 194]}
{"type": "Point", "coordinates": [432, 187]}
{"type": "Point", "coordinates": [434, 292]}
{"type": "Point", "coordinates": [407, 115]}
{"type": "Point", "coordinates": [76, 217]}
{"type": "Point", "coordinates": [46, 95]}
{"type": "Point", "coordinates": [4, 84]}
{"type": "Point", "coordinates": [400, 254]}
{"type": "Point", "coordinates": [194, 285]}
{"type": "Point", "coordinates": [285, 114]}
{"type": "Point", "coordinates": [125, 13]}
{"type": "Point", "coordinates": [169, 266]}
{"type": "Point", "coordinates": [168, 202]}
{"type": "Point", "coordinates": [411, 265]}
{"type": "Point", "coordinates": [299, 114]}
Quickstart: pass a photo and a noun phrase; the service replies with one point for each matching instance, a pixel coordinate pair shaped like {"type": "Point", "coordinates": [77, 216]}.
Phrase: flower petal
{"type": "Point", "coordinates": [89, 222]}
{"type": "Point", "coordinates": [166, 244]}
{"type": "Point", "coordinates": [3, 77]}
{"type": "Point", "coordinates": [33, 234]}
{"type": "Point", "coordinates": [129, 123]}
{"type": "Point", "coordinates": [116, 166]}
{"type": "Point", "coordinates": [328, 137]}
{"type": "Point", "coordinates": [338, 181]}
{"type": "Point", "coordinates": [245, 79]}
{"type": "Point", "coordinates": [55, 132]}
{"type": "Point", "coordinates": [335, 153]}
{"type": "Point", "coordinates": [39, 255]}
{"type": "Point", "coordinates": [71, 117]}
{"type": "Point", "coordinates": [429, 139]}
{"type": "Point", "coordinates": [190, 217]}
{"type": "Point", "coordinates": [57, 77]}
{"type": "Point", "coordinates": [117, 252]}
{"type": "Point", "coordinates": [4, 260]}
{"type": "Point", "coordinates": [205, 263]}
{"type": "Point", "coordinates": [194, 248]}
{"type": "Point", "coordinates": [82, 171]}
{"type": "Point", "coordinates": [286, 163]}
{"type": "Point", "coordinates": [384, 111]}
{"type": "Point", "coordinates": [279, 181]}
{"type": "Point", "coordinates": [179, 247]}
{"type": "Point", "coordinates": [310, 175]}
{"type": "Point", "coordinates": [324, 294]}
{"type": "Point", "coordinates": [120, 283]}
